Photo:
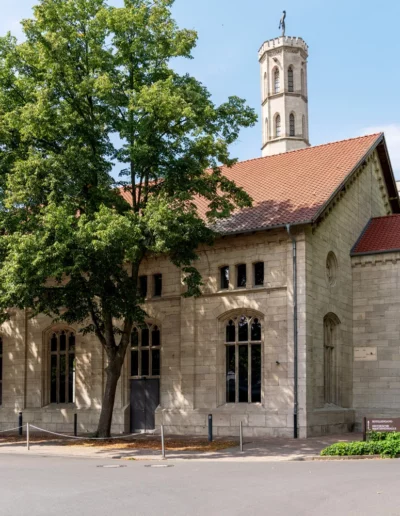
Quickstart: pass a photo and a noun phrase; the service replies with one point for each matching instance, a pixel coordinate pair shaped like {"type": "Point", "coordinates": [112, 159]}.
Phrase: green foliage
{"type": "Point", "coordinates": [380, 443]}
{"type": "Point", "coordinates": [70, 245]}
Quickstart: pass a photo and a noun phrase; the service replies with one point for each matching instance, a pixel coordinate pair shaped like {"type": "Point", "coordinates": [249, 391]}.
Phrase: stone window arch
{"type": "Point", "coordinates": [265, 85]}
{"type": "Point", "coordinates": [331, 359]}
{"type": "Point", "coordinates": [61, 345]}
{"type": "Point", "coordinates": [145, 359]}
{"type": "Point", "coordinates": [266, 130]}
{"type": "Point", "coordinates": [243, 336]}
{"type": "Point", "coordinates": [277, 80]}
{"type": "Point", "coordinates": [290, 79]}
{"type": "Point", "coordinates": [292, 125]}
{"type": "Point", "coordinates": [278, 126]}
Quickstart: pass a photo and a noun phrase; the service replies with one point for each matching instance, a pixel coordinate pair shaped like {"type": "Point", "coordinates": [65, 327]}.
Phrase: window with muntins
{"type": "Point", "coordinates": [241, 275]}
{"type": "Point", "coordinates": [258, 274]}
{"type": "Point", "coordinates": [224, 277]}
{"type": "Point", "coordinates": [243, 360]}
{"type": "Point", "coordinates": [157, 279]}
{"type": "Point", "coordinates": [1, 371]}
{"type": "Point", "coordinates": [146, 352]}
{"type": "Point", "coordinates": [292, 125]}
{"type": "Point", "coordinates": [277, 81]}
{"type": "Point", "coordinates": [290, 79]}
{"type": "Point", "coordinates": [62, 367]}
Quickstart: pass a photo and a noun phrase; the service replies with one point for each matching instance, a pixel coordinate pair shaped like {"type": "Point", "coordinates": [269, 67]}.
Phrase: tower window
{"type": "Point", "coordinates": [277, 82]}
{"type": "Point", "coordinates": [224, 277]}
{"type": "Point", "coordinates": [292, 125]}
{"type": "Point", "coordinates": [265, 85]}
{"type": "Point", "coordinates": [302, 82]}
{"type": "Point", "coordinates": [278, 129]}
{"type": "Point", "coordinates": [266, 130]}
{"type": "Point", "coordinates": [290, 79]}
{"type": "Point", "coordinates": [258, 274]}
{"type": "Point", "coordinates": [241, 275]}
{"type": "Point", "coordinates": [303, 128]}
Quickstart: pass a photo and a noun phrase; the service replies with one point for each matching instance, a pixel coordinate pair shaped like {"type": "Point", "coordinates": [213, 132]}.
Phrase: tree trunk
{"type": "Point", "coordinates": [113, 373]}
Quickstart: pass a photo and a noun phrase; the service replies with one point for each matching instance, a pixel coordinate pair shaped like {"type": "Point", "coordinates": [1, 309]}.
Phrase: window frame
{"type": "Point", "coordinates": [290, 79]}
{"type": "Point", "coordinates": [157, 276]}
{"type": "Point", "coordinates": [227, 279]}
{"type": "Point", "coordinates": [278, 126]}
{"type": "Point", "coordinates": [235, 345]}
{"type": "Point", "coordinates": [139, 348]}
{"type": "Point", "coordinates": [241, 266]}
{"type": "Point", "coordinates": [254, 274]}
{"type": "Point", "coordinates": [141, 278]}
{"type": "Point", "coordinates": [59, 353]}
{"type": "Point", "coordinates": [277, 80]}
{"type": "Point", "coordinates": [292, 124]}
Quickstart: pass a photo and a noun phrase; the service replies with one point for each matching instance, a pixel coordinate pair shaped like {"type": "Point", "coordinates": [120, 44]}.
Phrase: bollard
{"type": "Point", "coordinates": [162, 442]}
{"type": "Point", "coordinates": [27, 436]}
{"type": "Point", "coordinates": [20, 424]}
{"type": "Point", "coordinates": [210, 429]}
{"type": "Point", "coordinates": [241, 435]}
{"type": "Point", "coordinates": [75, 425]}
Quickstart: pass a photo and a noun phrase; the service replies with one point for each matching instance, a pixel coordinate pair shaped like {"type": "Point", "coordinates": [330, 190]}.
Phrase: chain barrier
{"type": "Point", "coordinates": [11, 429]}
{"type": "Point", "coordinates": [83, 438]}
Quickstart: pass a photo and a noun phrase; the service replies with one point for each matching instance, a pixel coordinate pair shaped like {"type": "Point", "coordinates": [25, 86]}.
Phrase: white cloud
{"type": "Point", "coordinates": [392, 135]}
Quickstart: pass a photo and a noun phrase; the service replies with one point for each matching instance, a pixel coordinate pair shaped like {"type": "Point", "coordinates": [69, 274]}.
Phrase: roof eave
{"type": "Point", "coordinates": [263, 228]}
{"type": "Point", "coordinates": [369, 253]}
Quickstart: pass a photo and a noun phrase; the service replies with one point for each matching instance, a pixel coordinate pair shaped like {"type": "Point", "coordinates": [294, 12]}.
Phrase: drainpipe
{"type": "Point", "coordinates": [295, 336]}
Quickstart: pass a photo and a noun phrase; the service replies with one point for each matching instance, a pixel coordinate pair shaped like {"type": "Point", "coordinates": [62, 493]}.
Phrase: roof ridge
{"type": "Point", "coordinates": [309, 148]}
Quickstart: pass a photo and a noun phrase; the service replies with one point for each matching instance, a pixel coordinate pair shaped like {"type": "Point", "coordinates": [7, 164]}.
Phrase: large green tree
{"type": "Point", "coordinates": [91, 86]}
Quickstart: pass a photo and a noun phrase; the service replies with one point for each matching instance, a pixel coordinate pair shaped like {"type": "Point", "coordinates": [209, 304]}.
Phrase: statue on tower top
{"type": "Point", "coordinates": [282, 24]}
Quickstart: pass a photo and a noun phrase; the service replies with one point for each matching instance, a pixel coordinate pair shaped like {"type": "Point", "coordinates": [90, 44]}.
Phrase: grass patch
{"type": "Point", "coordinates": [385, 444]}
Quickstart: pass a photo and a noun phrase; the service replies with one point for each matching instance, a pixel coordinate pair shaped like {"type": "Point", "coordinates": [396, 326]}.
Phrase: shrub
{"type": "Point", "coordinates": [385, 447]}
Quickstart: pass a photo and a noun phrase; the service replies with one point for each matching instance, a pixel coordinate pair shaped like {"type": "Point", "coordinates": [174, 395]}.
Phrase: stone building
{"type": "Point", "coordinates": [296, 330]}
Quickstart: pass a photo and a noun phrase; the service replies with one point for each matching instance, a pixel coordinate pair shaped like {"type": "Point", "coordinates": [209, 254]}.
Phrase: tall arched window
{"type": "Point", "coordinates": [303, 91]}
{"type": "Point", "coordinates": [331, 355]}
{"type": "Point", "coordinates": [243, 337]}
{"type": "Point", "coordinates": [265, 85]}
{"type": "Point", "coordinates": [290, 79]}
{"type": "Point", "coordinates": [145, 352]}
{"type": "Point", "coordinates": [266, 130]}
{"type": "Point", "coordinates": [303, 126]}
{"type": "Point", "coordinates": [62, 367]}
{"type": "Point", "coordinates": [292, 125]}
{"type": "Point", "coordinates": [277, 82]}
{"type": "Point", "coordinates": [278, 129]}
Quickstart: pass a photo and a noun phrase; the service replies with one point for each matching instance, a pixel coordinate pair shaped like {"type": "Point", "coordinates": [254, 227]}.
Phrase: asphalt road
{"type": "Point", "coordinates": [38, 486]}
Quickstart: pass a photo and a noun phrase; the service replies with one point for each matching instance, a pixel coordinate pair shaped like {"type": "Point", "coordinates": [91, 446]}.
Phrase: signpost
{"type": "Point", "coordinates": [380, 425]}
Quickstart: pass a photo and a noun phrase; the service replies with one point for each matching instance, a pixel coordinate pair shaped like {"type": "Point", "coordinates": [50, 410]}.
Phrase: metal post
{"type": "Point", "coordinates": [162, 442]}
{"type": "Point", "coordinates": [210, 428]}
{"type": "Point", "coordinates": [27, 436]}
{"type": "Point", "coordinates": [241, 436]}
{"type": "Point", "coordinates": [20, 424]}
{"type": "Point", "coordinates": [364, 428]}
{"type": "Point", "coordinates": [75, 425]}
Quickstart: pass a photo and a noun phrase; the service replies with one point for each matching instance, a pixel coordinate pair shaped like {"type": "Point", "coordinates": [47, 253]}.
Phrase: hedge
{"type": "Point", "coordinates": [379, 443]}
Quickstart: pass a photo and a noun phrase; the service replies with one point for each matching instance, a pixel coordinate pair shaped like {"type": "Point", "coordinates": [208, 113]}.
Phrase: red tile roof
{"type": "Point", "coordinates": [382, 234]}
{"type": "Point", "coordinates": [294, 187]}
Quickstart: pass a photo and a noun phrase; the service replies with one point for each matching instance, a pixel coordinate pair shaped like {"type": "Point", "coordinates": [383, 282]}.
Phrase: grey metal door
{"type": "Point", "coordinates": [145, 398]}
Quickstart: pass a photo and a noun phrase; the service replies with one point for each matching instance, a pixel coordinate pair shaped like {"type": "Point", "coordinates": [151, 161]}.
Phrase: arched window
{"type": "Point", "coordinates": [277, 82]}
{"type": "Point", "coordinates": [331, 355]}
{"type": "Point", "coordinates": [243, 360]}
{"type": "Point", "coordinates": [1, 371]}
{"type": "Point", "coordinates": [62, 367]}
{"type": "Point", "coordinates": [290, 79]}
{"type": "Point", "coordinates": [278, 129]}
{"type": "Point", "coordinates": [303, 90]}
{"type": "Point", "coordinates": [265, 85]}
{"type": "Point", "coordinates": [145, 352]}
{"type": "Point", "coordinates": [292, 125]}
{"type": "Point", "coordinates": [303, 126]}
{"type": "Point", "coordinates": [266, 130]}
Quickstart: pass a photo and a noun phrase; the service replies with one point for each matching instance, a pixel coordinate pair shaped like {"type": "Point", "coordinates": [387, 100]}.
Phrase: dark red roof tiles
{"type": "Point", "coordinates": [382, 234]}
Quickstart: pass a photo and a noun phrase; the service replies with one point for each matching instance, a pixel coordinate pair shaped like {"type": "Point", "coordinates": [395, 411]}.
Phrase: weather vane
{"type": "Point", "coordinates": [282, 24]}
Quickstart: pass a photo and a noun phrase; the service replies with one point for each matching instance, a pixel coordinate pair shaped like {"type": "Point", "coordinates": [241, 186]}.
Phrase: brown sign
{"type": "Point", "coordinates": [383, 425]}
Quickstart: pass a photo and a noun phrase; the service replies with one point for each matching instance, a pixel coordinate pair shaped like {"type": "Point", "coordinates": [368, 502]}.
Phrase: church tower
{"type": "Point", "coordinates": [283, 63]}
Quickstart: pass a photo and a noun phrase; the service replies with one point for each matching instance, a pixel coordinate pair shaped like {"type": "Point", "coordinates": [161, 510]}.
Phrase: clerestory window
{"type": "Point", "coordinates": [277, 81]}
{"type": "Point", "coordinates": [292, 125]}
{"type": "Point", "coordinates": [278, 128]}
{"type": "Point", "coordinates": [290, 79]}
{"type": "Point", "coordinates": [243, 360]}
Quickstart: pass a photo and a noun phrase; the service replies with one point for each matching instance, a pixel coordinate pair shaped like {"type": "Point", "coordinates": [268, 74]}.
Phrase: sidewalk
{"type": "Point", "coordinates": [273, 449]}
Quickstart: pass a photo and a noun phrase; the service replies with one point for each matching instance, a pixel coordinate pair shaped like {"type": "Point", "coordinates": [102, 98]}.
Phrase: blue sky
{"type": "Point", "coordinates": [354, 75]}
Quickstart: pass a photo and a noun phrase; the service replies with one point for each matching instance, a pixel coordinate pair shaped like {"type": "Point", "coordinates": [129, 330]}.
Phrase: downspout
{"type": "Point", "coordinates": [295, 335]}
